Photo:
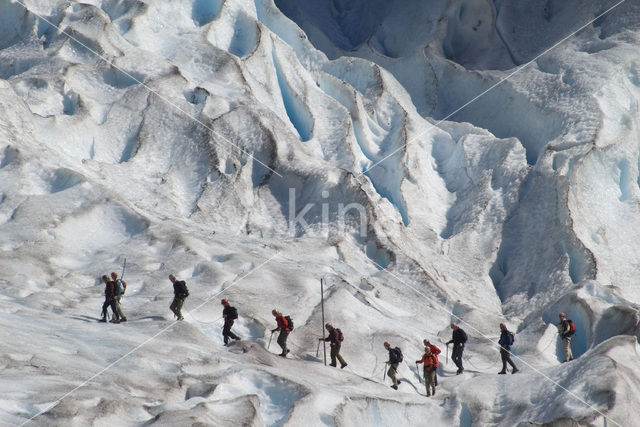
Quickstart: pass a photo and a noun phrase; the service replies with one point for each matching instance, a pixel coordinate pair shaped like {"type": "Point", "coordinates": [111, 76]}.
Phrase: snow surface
{"type": "Point", "coordinates": [255, 147]}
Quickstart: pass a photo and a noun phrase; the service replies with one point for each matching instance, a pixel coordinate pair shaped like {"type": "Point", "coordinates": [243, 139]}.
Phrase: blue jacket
{"type": "Point", "coordinates": [504, 339]}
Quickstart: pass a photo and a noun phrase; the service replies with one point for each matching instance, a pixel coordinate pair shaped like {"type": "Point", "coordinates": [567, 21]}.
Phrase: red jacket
{"type": "Point", "coordinates": [282, 323]}
{"type": "Point", "coordinates": [434, 350]}
{"type": "Point", "coordinates": [430, 361]}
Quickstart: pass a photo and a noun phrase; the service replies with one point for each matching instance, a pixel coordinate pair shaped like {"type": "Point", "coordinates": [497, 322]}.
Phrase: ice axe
{"type": "Point", "coordinates": [446, 361]}
{"type": "Point", "coordinates": [270, 340]}
{"type": "Point", "coordinates": [123, 267]}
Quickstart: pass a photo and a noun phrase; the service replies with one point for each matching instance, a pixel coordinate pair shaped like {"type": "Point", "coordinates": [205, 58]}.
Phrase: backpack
{"type": "Point", "coordinates": [572, 328]}
{"type": "Point", "coordinates": [398, 353]}
{"type": "Point", "coordinates": [233, 313]}
{"type": "Point", "coordinates": [510, 338]}
{"type": "Point", "coordinates": [118, 287]}
{"type": "Point", "coordinates": [289, 322]}
{"type": "Point", "coordinates": [182, 286]}
{"type": "Point", "coordinates": [339, 335]}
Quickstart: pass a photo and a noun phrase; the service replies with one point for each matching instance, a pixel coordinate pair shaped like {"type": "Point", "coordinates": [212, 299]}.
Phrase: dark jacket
{"type": "Point", "coordinates": [394, 355]}
{"type": "Point", "coordinates": [230, 313]}
{"type": "Point", "coordinates": [109, 289]}
{"type": "Point", "coordinates": [504, 339]}
{"type": "Point", "coordinates": [180, 289]}
{"type": "Point", "coordinates": [333, 336]}
{"type": "Point", "coordinates": [565, 328]}
{"type": "Point", "coordinates": [459, 337]}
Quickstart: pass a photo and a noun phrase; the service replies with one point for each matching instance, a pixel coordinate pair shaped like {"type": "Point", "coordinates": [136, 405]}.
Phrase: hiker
{"type": "Point", "coordinates": [109, 301]}
{"type": "Point", "coordinates": [566, 331]}
{"type": "Point", "coordinates": [458, 338]}
{"type": "Point", "coordinates": [336, 338]}
{"type": "Point", "coordinates": [180, 293]}
{"type": "Point", "coordinates": [506, 341]}
{"type": "Point", "coordinates": [435, 351]}
{"type": "Point", "coordinates": [283, 327]}
{"type": "Point", "coordinates": [119, 288]}
{"type": "Point", "coordinates": [230, 314]}
{"type": "Point", "coordinates": [395, 357]}
{"type": "Point", "coordinates": [430, 360]}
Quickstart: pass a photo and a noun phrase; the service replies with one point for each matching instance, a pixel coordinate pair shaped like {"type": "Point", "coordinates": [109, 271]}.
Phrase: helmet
{"type": "Point", "coordinates": [561, 314]}
{"type": "Point", "coordinates": [503, 326]}
{"type": "Point", "coordinates": [224, 301]}
{"type": "Point", "coordinates": [114, 274]}
{"type": "Point", "coordinates": [274, 311]}
{"type": "Point", "coordinates": [386, 344]}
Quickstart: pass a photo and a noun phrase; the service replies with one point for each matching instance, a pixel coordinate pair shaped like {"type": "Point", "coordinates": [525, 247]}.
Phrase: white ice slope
{"type": "Point", "coordinates": [218, 141]}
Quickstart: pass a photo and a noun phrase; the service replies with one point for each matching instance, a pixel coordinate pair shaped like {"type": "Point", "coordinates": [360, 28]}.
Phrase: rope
{"type": "Point", "coordinates": [497, 361]}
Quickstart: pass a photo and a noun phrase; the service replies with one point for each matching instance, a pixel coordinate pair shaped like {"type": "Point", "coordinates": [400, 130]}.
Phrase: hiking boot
{"type": "Point", "coordinates": [283, 355]}
{"type": "Point", "coordinates": [332, 364]}
{"type": "Point", "coordinates": [115, 321]}
{"type": "Point", "coordinates": [124, 319]}
{"type": "Point", "coordinates": [237, 338]}
{"type": "Point", "coordinates": [428, 394]}
{"type": "Point", "coordinates": [103, 319]}
{"type": "Point", "coordinates": [395, 387]}
{"type": "Point", "coordinates": [342, 366]}
{"type": "Point", "coordinates": [459, 371]}
{"type": "Point", "coordinates": [515, 370]}
{"type": "Point", "coordinates": [501, 373]}
{"type": "Point", "coordinates": [180, 318]}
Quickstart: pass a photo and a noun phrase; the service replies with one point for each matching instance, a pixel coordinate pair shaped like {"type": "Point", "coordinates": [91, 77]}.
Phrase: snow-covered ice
{"type": "Point", "coordinates": [255, 147]}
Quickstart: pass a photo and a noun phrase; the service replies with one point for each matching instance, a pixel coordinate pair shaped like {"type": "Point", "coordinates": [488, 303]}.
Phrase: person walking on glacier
{"type": "Point", "coordinates": [283, 327]}
{"type": "Point", "coordinates": [506, 341]}
{"type": "Point", "coordinates": [180, 293]}
{"type": "Point", "coordinates": [458, 338]}
{"type": "Point", "coordinates": [230, 314]}
{"type": "Point", "coordinates": [335, 338]}
{"type": "Point", "coordinates": [109, 301]}
{"type": "Point", "coordinates": [119, 288]}
{"type": "Point", "coordinates": [395, 358]}
{"type": "Point", "coordinates": [435, 351]}
{"type": "Point", "coordinates": [566, 329]}
{"type": "Point", "coordinates": [430, 361]}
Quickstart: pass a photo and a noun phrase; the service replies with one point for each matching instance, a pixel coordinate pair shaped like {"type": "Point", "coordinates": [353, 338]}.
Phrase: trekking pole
{"type": "Point", "coordinates": [418, 372]}
{"type": "Point", "coordinates": [123, 267]}
{"type": "Point", "coordinates": [446, 361]}
{"type": "Point", "coordinates": [270, 340]}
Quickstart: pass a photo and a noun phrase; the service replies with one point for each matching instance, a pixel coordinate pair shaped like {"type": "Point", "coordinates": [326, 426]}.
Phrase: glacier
{"type": "Point", "coordinates": [432, 162]}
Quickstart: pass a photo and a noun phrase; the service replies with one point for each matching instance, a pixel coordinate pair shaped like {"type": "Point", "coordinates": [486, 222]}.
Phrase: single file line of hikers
{"type": "Point", "coordinates": [116, 288]}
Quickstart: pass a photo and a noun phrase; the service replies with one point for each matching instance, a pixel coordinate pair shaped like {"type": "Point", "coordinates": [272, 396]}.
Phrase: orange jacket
{"type": "Point", "coordinates": [430, 361]}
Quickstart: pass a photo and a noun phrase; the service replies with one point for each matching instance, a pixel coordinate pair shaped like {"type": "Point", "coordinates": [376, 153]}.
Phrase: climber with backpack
{"type": "Point", "coordinates": [395, 358]}
{"type": "Point", "coordinates": [119, 288]}
{"type": "Point", "coordinates": [566, 329]}
{"type": "Point", "coordinates": [180, 293]}
{"type": "Point", "coordinates": [109, 301]}
{"type": "Point", "coordinates": [335, 338]}
{"type": "Point", "coordinates": [284, 326]}
{"type": "Point", "coordinates": [458, 338]}
{"type": "Point", "coordinates": [230, 314]}
{"type": "Point", "coordinates": [506, 341]}
{"type": "Point", "coordinates": [435, 351]}
{"type": "Point", "coordinates": [430, 360]}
